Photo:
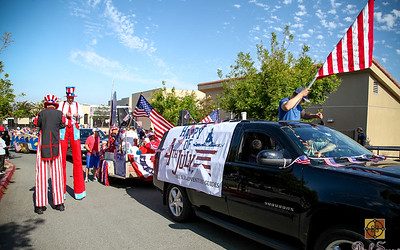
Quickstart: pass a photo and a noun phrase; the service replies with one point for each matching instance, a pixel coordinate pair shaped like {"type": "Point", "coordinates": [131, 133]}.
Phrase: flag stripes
{"type": "Point", "coordinates": [354, 51]}
{"type": "Point", "coordinates": [139, 112]}
{"type": "Point", "coordinates": [160, 124]}
{"type": "Point", "coordinates": [144, 109]}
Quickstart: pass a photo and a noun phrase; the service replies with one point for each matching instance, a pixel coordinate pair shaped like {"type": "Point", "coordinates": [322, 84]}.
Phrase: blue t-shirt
{"type": "Point", "coordinates": [291, 115]}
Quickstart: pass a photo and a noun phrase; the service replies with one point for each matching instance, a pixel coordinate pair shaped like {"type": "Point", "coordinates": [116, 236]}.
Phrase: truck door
{"type": "Point", "coordinates": [263, 195]}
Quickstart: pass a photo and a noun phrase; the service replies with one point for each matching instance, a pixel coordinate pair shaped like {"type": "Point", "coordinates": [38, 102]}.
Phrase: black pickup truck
{"type": "Point", "coordinates": [292, 185]}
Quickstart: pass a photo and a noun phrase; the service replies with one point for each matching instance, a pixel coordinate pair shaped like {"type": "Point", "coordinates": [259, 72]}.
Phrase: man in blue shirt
{"type": "Point", "coordinates": [291, 110]}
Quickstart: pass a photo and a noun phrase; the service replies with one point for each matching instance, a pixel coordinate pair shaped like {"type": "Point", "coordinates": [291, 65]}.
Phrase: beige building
{"type": "Point", "coordinates": [133, 99]}
{"type": "Point", "coordinates": [369, 99]}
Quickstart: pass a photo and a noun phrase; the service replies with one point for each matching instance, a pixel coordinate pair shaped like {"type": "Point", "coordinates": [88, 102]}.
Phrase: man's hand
{"type": "Point", "coordinates": [304, 92]}
{"type": "Point", "coordinates": [319, 115]}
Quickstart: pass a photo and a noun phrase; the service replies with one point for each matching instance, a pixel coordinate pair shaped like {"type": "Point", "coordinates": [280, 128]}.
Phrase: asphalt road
{"type": "Point", "coordinates": [126, 215]}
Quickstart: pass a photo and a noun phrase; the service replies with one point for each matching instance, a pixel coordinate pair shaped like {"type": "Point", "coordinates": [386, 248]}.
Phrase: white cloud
{"type": "Point", "coordinates": [278, 29]}
{"type": "Point", "coordinates": [384, 59]}
{"type": "Point", "coordinates": [124, 28]}
{"type": "Point", "coordinates": [385, 3]}
{"type": "Point", "coordinates": [91, 60]}
{"type": "Point", "coordinates": [275, 18]}
{"type": "Point", "coordinates": [320, 37]}
{"type": "Point", "coordinates": [311, 31]}
{"type": "Point", "coordinates": [398, 51]}
{"type": "Point", "coordinates": [297, 19]}
{"type": "Point", "coordinates": [262, 5]}
{"type": "Point", "coordinates": [350, 9]}
{"type": "Point", "coordinates": [305, 35]}
{"type": "Point", "coordinates": [302, 10]}
{"type": "Point", "coordinates": [334, 4]}
{"type": "Point", "coordinates": [237, 6]}
{"type": "Point", "coordinates": [93, 3]}
{"type": "Point", "coordinates": [388, 21]}
{"type": "Point", "coordinates": [348, 19]}
{"type": "Point", "coordinates": [93, 42]}
{"type": "Point", "coordinates": [332, 11]}
{"type": "Point", "coordinates": [320, 14]}
{"type": "Point", "coordinates": [297, 25]}
{"type": "Point", "coordinates": [330, 25]}
{"type": "Point", "coordinates": [287, 2]}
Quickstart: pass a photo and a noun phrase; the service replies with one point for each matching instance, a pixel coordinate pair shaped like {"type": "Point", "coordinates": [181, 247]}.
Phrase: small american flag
{"type": "Point", "coordinates": [354, 160]}
{"type": "Point", "coordinates": [302, 160]}
{"type": "Point", "coordinates": [144, 109]}
{"type": "Point", "coordinates": [332, 162]}
{"type": "Point", "coordinates": [212, 117]}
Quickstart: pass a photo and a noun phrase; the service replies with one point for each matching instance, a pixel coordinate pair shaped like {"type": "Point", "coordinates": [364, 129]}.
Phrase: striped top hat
{"type": "Point", "coordinates": [50, 99]}
{"type": "Point", "coordinates": [70, 91]}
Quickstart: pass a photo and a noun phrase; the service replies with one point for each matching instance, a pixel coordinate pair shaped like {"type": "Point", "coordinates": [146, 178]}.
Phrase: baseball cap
{"type": "Point", "coordinates": [298, 90]}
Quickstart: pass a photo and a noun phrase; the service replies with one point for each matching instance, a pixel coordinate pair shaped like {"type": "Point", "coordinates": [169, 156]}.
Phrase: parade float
{"type": "Point", "coordinates": [122, 156]}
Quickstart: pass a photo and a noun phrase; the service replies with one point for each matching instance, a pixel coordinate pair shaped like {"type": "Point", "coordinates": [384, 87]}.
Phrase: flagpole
{"type": "Point", "coordinates": [313, 80]}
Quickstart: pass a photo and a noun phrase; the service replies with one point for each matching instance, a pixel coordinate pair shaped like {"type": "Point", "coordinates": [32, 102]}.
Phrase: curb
{"type": "Point", "coordinates": [5, 180]}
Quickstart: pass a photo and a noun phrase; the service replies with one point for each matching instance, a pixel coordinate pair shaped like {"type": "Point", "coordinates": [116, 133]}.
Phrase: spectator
{"type": "Point", "coordinates": [6, 137]}
{"type": "Point", "coordinates": [152, 145]}
{"type": "Point", "coordinates": [2, 155]}
{"type": "Point", "coordinates": [92, 146]}
{"type": "Point", "coordinates": [360, 136]}
{"type": "Point", "coordinates": [290, 109]}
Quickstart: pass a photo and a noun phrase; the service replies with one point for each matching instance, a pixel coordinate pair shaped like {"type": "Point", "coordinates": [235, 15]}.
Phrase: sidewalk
{"type": "Point", "coordinates": [5, 178]}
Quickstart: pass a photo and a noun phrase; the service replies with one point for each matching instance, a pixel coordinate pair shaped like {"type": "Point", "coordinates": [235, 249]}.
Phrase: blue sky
{"type": "Point", "coordinates": [137, 44]}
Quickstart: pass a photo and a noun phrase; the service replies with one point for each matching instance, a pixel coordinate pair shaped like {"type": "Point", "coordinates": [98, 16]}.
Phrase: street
{"type": "Point", "coordinates": [126, 215]}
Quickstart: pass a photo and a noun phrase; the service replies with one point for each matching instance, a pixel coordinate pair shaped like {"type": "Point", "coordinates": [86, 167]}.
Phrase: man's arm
{"type": "Point", "coordinates": [329, 147]}
{"type": "Point", "coordinates": [306, 115]}
{"type": "Point", "coordinates": [295, 100]}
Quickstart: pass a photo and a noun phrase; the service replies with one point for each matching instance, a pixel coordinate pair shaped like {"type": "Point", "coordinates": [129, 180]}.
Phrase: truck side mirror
{"type": "Point", "coordinates": [272, 157]}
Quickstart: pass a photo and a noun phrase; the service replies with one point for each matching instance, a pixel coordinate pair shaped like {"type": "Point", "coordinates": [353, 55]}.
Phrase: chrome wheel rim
{"type": "Point", "coordinates": [175, 201]}
{"type": "Point", "coordinates": [339, 244]}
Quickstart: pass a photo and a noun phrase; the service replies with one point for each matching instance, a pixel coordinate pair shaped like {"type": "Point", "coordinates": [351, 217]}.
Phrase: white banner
{"type": "Point", "coordinates": [194, 156]}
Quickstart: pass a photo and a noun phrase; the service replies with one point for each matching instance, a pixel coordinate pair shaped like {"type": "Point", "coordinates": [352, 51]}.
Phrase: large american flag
{"type": "Point", "coordinates": [354, 50]}
{"type": "Point", "coordinates": [212, 117]}
{"type": "Point", "coordinates": [144, 109]}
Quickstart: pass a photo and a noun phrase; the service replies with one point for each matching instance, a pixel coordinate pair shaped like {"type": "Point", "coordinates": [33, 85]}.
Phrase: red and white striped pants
{"type": "Point", "coordinates": [57, 180]}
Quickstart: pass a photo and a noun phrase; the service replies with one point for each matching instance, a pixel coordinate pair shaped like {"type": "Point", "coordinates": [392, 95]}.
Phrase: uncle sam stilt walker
{"type": "Point", "coordinates": [72, 111]}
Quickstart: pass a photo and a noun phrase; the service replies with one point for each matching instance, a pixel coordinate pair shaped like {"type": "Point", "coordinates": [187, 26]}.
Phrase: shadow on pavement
{"type": "Point", "coordinates": [147, 195]}
{"type": "Point", "coordinates": [13, 235]}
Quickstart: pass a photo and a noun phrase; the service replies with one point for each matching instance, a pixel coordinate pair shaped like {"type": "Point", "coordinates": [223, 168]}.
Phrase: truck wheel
{"type": "Point", "coordinates": [340, 239]}
{"type": "Point", "coordinates": [179, 206]}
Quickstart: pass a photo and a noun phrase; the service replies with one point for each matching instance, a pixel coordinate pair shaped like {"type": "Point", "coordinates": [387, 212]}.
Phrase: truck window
{"type": "Point", "coordinates": [254, 142]}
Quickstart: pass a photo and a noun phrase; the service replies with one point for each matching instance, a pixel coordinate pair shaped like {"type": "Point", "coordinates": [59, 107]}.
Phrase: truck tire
{"type": "Point", "coordinates": [340, 238]}
{"type": "Point", "coordinates": [179, 206]}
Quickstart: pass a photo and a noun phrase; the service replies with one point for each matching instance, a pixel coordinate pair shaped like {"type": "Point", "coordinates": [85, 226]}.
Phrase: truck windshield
{"type": "Point", "coordinates": [321, 141]}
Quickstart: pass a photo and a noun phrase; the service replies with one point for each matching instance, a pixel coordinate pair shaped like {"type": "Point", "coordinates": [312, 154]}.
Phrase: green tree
{"type": "Point", "coordinates": [258, 90]}
{"type": "Point", "coordinates": [100, 115]}
{"type": "Point", "coordinates": [28, 109]}
{"type": "Point", "coordinates": [7, 96]}
{"type": "Point", "coordinates": [169, 104]}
